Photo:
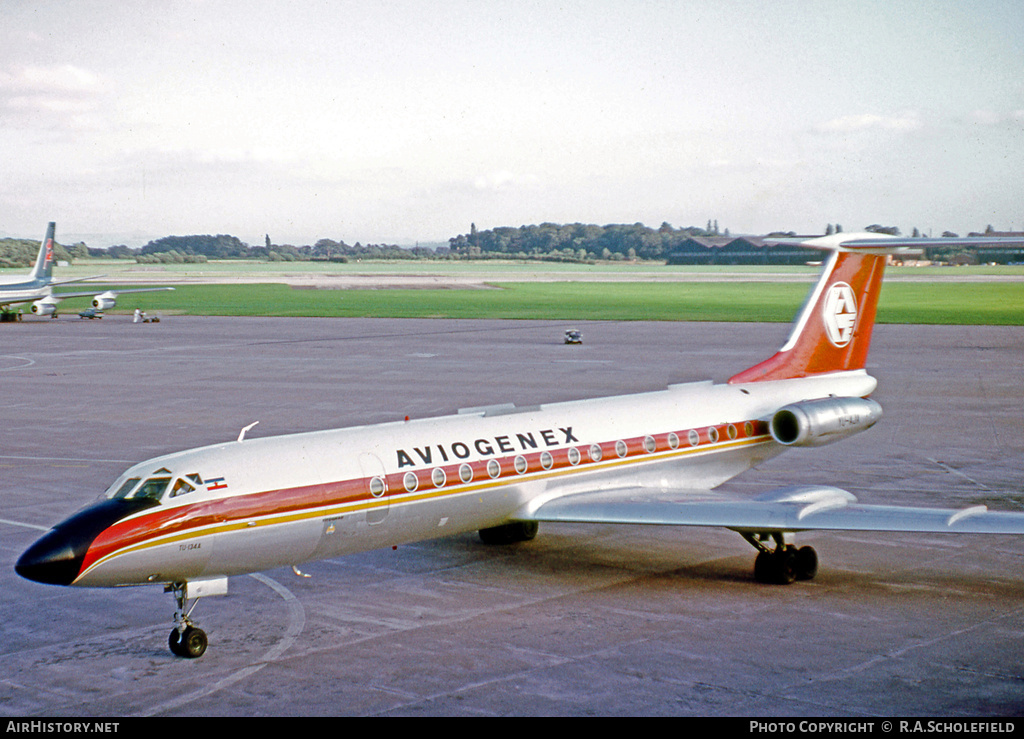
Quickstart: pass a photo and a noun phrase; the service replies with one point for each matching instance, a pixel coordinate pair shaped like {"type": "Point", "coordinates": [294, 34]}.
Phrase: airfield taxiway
{"type": "Point", "coordinates": [585, 620]}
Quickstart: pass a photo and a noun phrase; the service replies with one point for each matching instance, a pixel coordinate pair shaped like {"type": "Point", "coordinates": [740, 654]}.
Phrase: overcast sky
{"type": "Point", "coordinates": [404, 121]}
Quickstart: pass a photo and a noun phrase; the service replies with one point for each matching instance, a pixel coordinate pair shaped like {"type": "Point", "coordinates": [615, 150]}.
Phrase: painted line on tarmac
{"type": "Point", "coordinates": [25, 525]}
{"type": "Point", "coordinates": [28, 363]}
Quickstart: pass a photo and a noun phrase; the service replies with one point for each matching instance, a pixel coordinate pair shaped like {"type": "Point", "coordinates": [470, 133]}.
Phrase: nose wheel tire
{"type": "Point", "coordinates": [190, 644]}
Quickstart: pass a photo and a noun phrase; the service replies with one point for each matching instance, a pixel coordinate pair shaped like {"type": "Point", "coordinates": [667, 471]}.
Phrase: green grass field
{"type": "Point", "coordinates": [966, 303]}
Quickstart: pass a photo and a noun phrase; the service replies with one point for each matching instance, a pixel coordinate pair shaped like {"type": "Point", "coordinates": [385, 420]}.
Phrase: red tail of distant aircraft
{"type": "Point", "coordinates": [191, 519]}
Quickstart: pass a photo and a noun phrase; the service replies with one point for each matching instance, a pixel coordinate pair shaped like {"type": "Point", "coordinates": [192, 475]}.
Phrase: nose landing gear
{"type": "Point", "coordinates": [186, 639]}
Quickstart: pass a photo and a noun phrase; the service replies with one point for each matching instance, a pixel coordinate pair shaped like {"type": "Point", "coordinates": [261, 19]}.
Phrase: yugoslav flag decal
{"type": "Point", "coordinates": [840, 314]}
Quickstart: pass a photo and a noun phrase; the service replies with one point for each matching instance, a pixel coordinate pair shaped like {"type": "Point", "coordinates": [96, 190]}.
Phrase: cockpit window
{"type": "Point", "coordinates": [181, 488]}
{"type": "Point", "coordinates": [152, 488]}
{"type": "Point", "coordinates": [129, 485]}
{"type": "Point", "coordinates": [155, 487]}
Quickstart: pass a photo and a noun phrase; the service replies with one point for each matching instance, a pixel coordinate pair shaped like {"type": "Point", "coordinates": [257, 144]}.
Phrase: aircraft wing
{"type": "Point", "coordinates": [54, 283]}
{"type": "Point", "coordinates": [791, 509]}
{"type": "Point", "coordinates": [62, 296]}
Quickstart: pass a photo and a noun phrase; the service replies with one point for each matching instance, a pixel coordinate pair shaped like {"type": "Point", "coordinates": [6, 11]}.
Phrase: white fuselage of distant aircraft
{"type": "Point", "coordinates": [191, 519]}
{"type": "Point", "coordinates": [37, 286]}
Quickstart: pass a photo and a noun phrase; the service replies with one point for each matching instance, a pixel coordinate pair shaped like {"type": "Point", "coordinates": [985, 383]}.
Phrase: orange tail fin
{"type": "Point", "coordinates": [832, 333]}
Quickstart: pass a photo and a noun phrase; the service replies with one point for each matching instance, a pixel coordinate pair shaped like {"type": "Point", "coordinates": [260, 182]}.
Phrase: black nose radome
{"type": "Point", "coordinates": [54, 559]}
{"type": "Point", "coordinates": [57, 557]}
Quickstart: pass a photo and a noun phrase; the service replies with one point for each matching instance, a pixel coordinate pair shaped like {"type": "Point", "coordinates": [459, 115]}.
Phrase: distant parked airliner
{"type": "Point", "coordinates": [37, 286]}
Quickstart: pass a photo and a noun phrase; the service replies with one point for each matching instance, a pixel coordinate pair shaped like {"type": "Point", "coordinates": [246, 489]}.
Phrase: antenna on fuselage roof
{"type": "Point", "coordinates": [241, 434]}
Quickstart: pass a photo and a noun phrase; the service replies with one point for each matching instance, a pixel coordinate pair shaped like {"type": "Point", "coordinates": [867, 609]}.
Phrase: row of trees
{"type": "Point", "coordinates": [576, 242]}
{"type": "Point", "coordinates": [22, 252]}
{"type": "Point", "coordinates": [581, 242]}
{"type": "Point", "coordinates": [200, 248]}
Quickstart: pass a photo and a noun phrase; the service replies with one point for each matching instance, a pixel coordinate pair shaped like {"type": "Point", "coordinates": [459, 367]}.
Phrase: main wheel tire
{"type": "Point", "coordinates": [193, 643]}
{"type": "Point", "coordinates": [764, 567]}
{"type": "Point", "coordinates": [785, 566]}
{"type": "Point", "coordinates": [510, 533]}
{"type": "Point", "coordinates": [806, 563]}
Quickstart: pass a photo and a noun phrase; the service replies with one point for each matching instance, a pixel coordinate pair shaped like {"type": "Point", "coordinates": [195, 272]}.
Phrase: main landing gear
{"type": "Point", "coordinates": [783, 564]}
{"type": "Point", "coordinates": [186, 639]}
{"type": "Point", "coordinates": [510, 533]}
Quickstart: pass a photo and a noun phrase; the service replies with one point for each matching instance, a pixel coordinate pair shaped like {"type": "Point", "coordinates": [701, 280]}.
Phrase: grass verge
{"type": "Point", "coordinates": [963, 303]}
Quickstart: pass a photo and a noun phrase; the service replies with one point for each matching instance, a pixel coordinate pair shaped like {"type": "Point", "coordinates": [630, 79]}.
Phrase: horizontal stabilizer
{"type": "Point", "coordinates": [875, 243]}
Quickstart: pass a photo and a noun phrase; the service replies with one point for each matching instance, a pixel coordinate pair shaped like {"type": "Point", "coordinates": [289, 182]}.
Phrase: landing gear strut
{"type": "Point", "coordinates": [186, 639]}
{"type": "Point", "coordinates": [783, 564]}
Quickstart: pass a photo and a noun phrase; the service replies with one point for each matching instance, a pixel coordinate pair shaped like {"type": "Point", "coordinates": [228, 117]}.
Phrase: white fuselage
{"type": "Point", "coordinates": [22, 290]}
{"type": "Point", "coordinates": [261, 503]}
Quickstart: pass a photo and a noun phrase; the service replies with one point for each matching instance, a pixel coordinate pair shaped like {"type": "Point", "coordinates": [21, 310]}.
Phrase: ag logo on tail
{"type": "Point", "coordinates": [839, 312]}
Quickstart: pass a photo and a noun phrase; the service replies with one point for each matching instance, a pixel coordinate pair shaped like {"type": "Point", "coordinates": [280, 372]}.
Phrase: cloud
{"type": "Point", "coordinates": [62, 96]}
{"type": "Point", "coordinates": [55, 80]}
{"type": "Point", "coordinates": [502, 180]}
{"type": "Point", "coordinates": [985, 117]}
{"type": "Point", "coordinates": [903, 122]}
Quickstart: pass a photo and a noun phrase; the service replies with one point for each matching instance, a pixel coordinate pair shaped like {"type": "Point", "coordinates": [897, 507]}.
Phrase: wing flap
{"type": "Point", "coordinates": [804, 508]}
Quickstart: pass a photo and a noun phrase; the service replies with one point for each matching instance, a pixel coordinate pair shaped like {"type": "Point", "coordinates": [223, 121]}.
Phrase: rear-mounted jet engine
{"type": "Point", "coordinates": [820, 422]}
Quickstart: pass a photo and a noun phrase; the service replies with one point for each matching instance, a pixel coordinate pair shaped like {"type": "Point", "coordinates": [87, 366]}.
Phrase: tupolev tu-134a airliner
{"type": "Point", "coordinates": [190, 520]}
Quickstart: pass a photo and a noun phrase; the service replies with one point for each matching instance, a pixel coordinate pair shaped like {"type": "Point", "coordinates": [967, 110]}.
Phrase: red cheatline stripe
{"type": "Point", "coordinates": [157, 525]}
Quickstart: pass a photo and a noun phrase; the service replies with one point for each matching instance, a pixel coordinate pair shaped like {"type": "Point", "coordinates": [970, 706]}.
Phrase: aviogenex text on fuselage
{"type": "Point", "coordinates": [485, 447]}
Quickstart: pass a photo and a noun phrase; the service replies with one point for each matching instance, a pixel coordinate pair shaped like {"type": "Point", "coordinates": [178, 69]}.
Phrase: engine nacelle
{"type": "Point", "coordinates": [820, 422]}
{"type": "Point", "coordinates": [45, 307]}
{"type": "Point", "coordinates": [104, 301]}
